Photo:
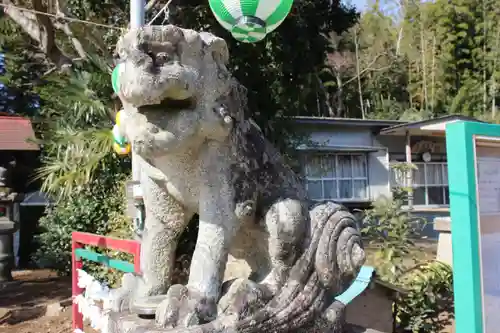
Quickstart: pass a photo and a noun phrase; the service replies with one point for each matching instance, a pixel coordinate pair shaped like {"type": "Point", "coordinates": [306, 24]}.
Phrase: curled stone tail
{"type": "Point", "coordinates": [306, 302]}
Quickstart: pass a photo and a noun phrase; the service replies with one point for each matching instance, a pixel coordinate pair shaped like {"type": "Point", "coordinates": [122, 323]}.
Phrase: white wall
{"type": "Point", "coordinates": [379, 173]}
{"type": "Point", "coordinates": [338, 137]}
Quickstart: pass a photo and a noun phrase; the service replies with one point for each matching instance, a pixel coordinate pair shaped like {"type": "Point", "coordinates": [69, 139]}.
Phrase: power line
{"type": "Point", "coordinates": [70, 19]}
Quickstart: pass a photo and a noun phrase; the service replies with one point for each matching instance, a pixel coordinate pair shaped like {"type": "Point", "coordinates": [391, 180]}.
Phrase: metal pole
{"type": "Point", "coordinates": [136, 21]}
{"type": "Point", "coordinates": [137, 13]}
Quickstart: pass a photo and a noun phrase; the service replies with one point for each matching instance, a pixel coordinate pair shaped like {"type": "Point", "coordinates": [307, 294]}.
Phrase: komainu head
{"type": "Point", "coordinates": [171, 68]}
{"type": "Point", "coordinates": [175, 88]}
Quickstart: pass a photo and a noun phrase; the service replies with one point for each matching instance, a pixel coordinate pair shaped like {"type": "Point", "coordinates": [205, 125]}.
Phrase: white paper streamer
{"type": "Point", "coordinates": [86, 302]}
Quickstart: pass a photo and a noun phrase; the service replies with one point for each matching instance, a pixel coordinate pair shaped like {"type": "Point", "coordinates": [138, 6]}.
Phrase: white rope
{"type": "Point", "coordinates": [165, 11]}
{"type": "Point", "coordinates": [70, 19]}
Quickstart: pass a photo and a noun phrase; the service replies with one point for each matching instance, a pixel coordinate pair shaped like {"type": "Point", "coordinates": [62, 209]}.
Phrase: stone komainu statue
{"type": "Point", "coordinates": [200, 153]}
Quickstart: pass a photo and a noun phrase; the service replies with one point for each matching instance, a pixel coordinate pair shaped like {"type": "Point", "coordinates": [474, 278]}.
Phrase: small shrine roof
{"type": "Point", "coordinates": [16, 133]}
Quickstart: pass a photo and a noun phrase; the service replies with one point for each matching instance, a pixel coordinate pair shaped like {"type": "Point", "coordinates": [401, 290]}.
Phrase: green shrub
{"type": "Point", "coordinates": [92, 209]}
{"type": "Point", "coordinates": [428, 307]}
{"type": "Point", "coordinates": [99, 210]}
{"type": "Point", "coordinates": [119, 226]}
{"type": "Point", "coordinates": [391, 230]}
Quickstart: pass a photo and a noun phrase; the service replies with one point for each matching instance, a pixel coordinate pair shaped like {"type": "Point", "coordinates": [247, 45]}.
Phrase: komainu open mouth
{"type": "Point", "coordinates": [170, 104]}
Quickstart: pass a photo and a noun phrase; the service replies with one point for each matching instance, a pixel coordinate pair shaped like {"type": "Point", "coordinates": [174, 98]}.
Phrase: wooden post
{"type": "Point", "coordinates": [137, 260]}
{"type": "Point", "coordinates": [76, 264]}
{"type": "Point", "coordinates": [79, 240]}
{"type": "Point", "coordinates": [409, 172]}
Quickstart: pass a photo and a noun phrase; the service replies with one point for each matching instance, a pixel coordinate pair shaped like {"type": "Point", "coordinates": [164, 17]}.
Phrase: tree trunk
{"type": "Point", "coordinates": [424, 69]}
{"type": "Point", "coordinates": [433, 75]}
{"type": "Point", "coordinates": [339, 95]}
{"type": "Point", "coordinates": [493, 83]}
{"type": "Point", "coordinates": [360, 89]}
{"type": "Point", "coordinates": [42, 29]}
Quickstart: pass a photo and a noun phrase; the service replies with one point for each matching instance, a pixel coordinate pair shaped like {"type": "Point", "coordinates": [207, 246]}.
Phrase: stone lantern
{"type": "Point", "coordinates": [7, 230]}
{"type": "Point", "coordinates": [7, 226]}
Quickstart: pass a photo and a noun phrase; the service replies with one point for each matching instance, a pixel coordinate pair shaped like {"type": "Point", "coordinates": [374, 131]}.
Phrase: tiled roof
{"type": "Point", "coordinates": [15, 133]}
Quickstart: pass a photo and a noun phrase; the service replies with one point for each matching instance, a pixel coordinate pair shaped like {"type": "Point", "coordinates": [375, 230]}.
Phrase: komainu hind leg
{"type": "Point", "coordinates": [287, 224]}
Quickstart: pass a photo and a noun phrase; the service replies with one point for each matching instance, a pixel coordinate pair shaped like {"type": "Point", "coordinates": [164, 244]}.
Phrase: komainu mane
{"type": "Point", "coordinates": [201, 153]}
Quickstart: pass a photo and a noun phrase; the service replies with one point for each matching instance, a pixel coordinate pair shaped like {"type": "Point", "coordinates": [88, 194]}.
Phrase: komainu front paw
{"type": "Point", "coordinates": [121, 298]}
{"type": "Point", "coordinates": [183, 307]}
{"type": "Point", "coordinates": [242, 298]}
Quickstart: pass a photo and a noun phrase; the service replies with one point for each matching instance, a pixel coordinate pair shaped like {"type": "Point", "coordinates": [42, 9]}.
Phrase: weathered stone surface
{"type": "Point", "coordinates": [200, 152]}
{"type": "Point", "coordinates": [7, 230]}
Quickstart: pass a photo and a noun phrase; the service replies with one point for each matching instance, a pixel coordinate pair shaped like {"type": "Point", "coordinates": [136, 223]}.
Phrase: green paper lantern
{"type": "Point", "coordinates": [249, 21]}
{"type": "Point", "coordinates": [115, 77]}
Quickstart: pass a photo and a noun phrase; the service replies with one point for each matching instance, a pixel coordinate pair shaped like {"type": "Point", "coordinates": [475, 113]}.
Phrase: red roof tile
{"type": "Point", "coordinates": [15, 132]}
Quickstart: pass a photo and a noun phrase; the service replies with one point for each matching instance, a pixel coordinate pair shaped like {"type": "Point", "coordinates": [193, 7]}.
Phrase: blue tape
{"type": "Point", "coordinates": [358, 286]}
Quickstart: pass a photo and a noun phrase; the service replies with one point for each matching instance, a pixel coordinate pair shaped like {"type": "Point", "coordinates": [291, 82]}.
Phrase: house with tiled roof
{"type": "Point", "coordinates": [19, 153]}
{"type": "Point", "coordinates": [353, 161]}
{"type": "Point", "coordinates": [18, 145]}
{"type": "Point", "coordinates": [16, 134]}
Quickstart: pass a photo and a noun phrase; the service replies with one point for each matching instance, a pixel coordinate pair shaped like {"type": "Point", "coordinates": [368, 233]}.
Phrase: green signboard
{"type": "Point", "coordinates": [473, 151]}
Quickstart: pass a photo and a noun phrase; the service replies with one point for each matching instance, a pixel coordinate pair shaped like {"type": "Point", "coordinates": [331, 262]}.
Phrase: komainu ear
{"type": "Point", "coordinates": [216, 46]}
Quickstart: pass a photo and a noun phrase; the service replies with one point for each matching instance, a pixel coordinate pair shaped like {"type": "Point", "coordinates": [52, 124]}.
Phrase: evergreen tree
{"type": "Point", "coordinates": [19, 71]}
{"type": "Point", "coordinates": [280, 73]}
{"type": "Point", "coordinates": [434, 58]}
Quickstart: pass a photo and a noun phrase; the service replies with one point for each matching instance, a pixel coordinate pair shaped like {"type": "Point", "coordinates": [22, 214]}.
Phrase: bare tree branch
{"type": "Point", "coordinates": [47, 36]}
{"type": "Point", "coordinates": [42, 29]}
{"type": "Point", "coordinates": [39, 27]}
{"type": "Point", "coordinates": [340, 60]}
{"type": "Point", "coordinates": [150, 5]}
{"type": "Point", "coordinates": [75, 41]}
{"type": "Point", "coordinates": [97, 42]}
{"type": "Point", "coordinates": [61, 8]}
{"type": "Point", "coordinates": [62, 12]}
{"type": "Point", "coordinates": [358, 75]}
{"type": "Point", "coordinates": [25, 20]}
{"type": "Point", "coordinates": [368, 68]}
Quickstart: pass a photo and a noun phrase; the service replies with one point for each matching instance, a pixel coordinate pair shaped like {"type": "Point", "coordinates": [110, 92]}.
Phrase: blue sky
{"type": "Point", "coordinates": [359, 4]}
{"type": "Point", "coordinates": [388, 7]}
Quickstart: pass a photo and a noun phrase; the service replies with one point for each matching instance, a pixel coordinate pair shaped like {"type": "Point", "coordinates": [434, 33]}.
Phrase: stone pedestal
{"type": "Point", "coordinates": [7, 230]}
{"type": "Point", "coordinates": [444, 251]}
{"type": "Point", "coordinates": [126, 322]}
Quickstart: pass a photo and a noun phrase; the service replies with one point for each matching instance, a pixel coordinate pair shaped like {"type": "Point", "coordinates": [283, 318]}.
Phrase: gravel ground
{"type": "Point", "coordinates": [36, 301]}
{"type": "Point", "coordinates": [31, 303]}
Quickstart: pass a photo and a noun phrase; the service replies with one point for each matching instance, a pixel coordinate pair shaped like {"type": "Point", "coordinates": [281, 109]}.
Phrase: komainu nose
{"type": "Point", "coordinates": [160, 53]}
{"type": "Point", "coordinates": [161, 59]}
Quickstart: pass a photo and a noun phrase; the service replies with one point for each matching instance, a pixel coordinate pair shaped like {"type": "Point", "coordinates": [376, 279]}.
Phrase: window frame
{"type": "Point", "coordinates": [336, 179]}
{"type": "Point", "coordinates": [426, 185]}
